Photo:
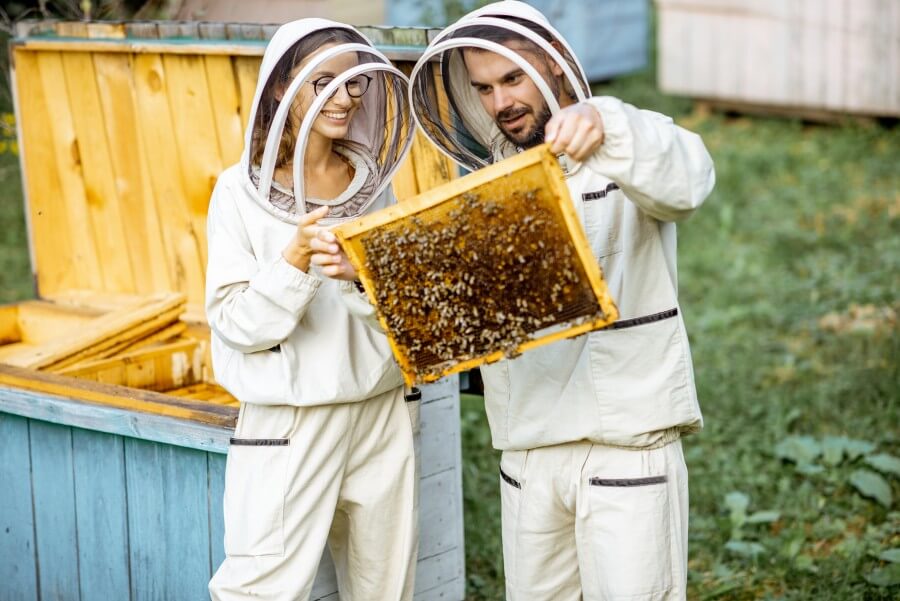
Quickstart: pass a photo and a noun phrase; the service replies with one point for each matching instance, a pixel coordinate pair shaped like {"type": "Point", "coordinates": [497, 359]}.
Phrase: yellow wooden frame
{"type": "Point", "coordinates": [350, 237]}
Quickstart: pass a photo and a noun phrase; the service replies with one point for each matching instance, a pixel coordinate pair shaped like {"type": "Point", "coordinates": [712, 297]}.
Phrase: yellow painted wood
{"type": "Point", "coordinates": [101, 195]}
{"type": "Point", "coordinates": [10, 331]}
{"type": "Point", "coordinates": [211, 393]}
{"type": "Point", "coordinates": [195, 134]}
{"type": "Point", "coordinates": [404, 183]}
{"type": "Point", "coordinates": [160, 368]}
{"type": "Point", "coordinates": [527, 170]}
{"type": "Point", "coordinates": [152, 322]}
{"type": "Point", "coordinates": [226, 104]}
{"type": "Point", "coordinates": [140, 222]}
{"type": "Point", "coordinates": [41, 322]}
{"type": "Point", "coordinates": [102, 332]}
{"type": "Point", "coordinates": [182, 236]}
{"type": "Point", "coordinates": [53, 254]}
{"type": "Point", "coordinates": [246, 71]}
{"type": "Point", "coordinates": [166, 334]}
{"type": "Point", "coordinates": [116, 396]}
{"type": "Point", "coordinates": [146, 47]}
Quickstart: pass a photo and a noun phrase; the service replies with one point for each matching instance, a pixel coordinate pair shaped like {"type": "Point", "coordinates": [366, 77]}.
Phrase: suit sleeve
{"type": "Point", "coordinates": [663, 168]}
{"type": "Point", "coordinates": [251, 306]}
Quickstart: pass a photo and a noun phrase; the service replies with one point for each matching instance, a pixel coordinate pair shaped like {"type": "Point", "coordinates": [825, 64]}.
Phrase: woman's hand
{"type": "Point", "coordinates": [298, 251]}
{"type": "Point", "coordinates": [328, 254]}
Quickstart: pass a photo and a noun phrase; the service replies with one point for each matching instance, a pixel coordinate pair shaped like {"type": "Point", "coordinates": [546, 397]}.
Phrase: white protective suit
{"type": "Point", "coordinates": [323, 448]}
{"type": "Point", "coordinates": [593, 481]}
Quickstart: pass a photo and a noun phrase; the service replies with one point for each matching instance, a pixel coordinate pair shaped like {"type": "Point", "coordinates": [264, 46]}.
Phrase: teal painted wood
{"type": "Point", "coordinates": [18, 577]}
{"type": "Point", "coordinates": [216, 466]}
{"type": "Point", "coordinates": [53, 487]}
{"type": "Point", "coordinates": [168, 521]}
{"type": "Point", "coordinates": [147, 426]}
{"type": "Point", "coordinates": [102, 510]}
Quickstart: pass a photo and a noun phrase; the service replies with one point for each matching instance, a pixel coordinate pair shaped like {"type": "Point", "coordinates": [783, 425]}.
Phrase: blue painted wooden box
{"type": "Point", "coordinates": [108, 492]}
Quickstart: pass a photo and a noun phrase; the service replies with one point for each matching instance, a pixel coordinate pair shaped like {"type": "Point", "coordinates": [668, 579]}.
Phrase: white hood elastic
{"type": "Point", "coordinates": [466, 133]}
{"type": "Point", "coordinates": [379, 137]}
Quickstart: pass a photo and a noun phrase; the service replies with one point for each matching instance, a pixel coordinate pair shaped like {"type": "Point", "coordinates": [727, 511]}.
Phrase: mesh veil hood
{"type": "Point", "coordinates": [380, 131]}
{"type": "Point", "coordinates": [461, 127]}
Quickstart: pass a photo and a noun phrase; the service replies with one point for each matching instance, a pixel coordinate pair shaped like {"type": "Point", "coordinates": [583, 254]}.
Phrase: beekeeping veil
{"type": "Point", "coordinates": [379, 135]}
{"type": "Point", "coordinates": [460, 126]}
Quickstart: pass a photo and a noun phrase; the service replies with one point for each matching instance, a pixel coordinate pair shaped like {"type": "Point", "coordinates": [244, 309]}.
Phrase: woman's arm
{"type": "Point", "coordinates": [251, 306]}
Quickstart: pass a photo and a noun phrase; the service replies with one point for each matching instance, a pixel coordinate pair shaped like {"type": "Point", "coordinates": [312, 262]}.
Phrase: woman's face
{"type": "Point", "coordinates": [333, 120]}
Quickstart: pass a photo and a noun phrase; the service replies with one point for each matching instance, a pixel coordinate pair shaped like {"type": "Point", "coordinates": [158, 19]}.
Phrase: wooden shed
{"type": "Point", "coordinates": [808, 57]}
{"type": "Point", "coordinates": [114, 431]}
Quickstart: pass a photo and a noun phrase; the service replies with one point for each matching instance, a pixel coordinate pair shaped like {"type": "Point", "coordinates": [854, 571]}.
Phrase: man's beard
{"type": "Point", "coordinates": [532, 137]}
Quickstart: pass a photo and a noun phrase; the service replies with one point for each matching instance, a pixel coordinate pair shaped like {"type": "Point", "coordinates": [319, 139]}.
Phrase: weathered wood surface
{"type": "Point", "coordinates": [100, 502]}
{"type": "Point", "coordinates": [788, 55]}
{"type": "Point", "coordinates": [125, 130]}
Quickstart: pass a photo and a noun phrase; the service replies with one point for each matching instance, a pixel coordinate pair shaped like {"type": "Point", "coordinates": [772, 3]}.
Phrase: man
{"type": "Point", "coordinates": [594, 486]}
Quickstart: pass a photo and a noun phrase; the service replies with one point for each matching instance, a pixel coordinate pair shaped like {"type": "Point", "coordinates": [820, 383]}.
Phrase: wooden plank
{"type": "Point", "coordinates": [10, 331]}
{"type": "Point", "coordinates": [95, 155]}
{"type": "Point", "coordinates": [128, 324]}
{"type": "Point", "coordinates": [140, 222]}
{"type": "Point", "coordinates": [53, 254]}
{"type": "Point", "coordinates": [180, 235]}
{"type": "Point", "coordinates": [195, 135]}
{"type": "Point", "coordinates": [191, 434]}
{"type": "Point", "coordinates": [436, 517]}
{"type": "Point", "coordinates": [246, 72]}
{"type": "Point", "coordinates": [53, 486]}
{"type": "Point", "coordinates": [168, 521]}
{"type": "Point", "coordinates": [440, 433]}
{"type": "Point", "coordinates": [166, 334]}
{"type": "Point", "coordinates": [143, 401]}
{"type": "Point", "coordinates": [216, 469]}
{"type": "Point", "coordinates": [69, 165]}
{"type": "Point", "coordinates": [41, 322]}
{"type": "Point", "coordinates": [101, 508]}
{"type": "Point", "coordinates": [404, 182]}
{"type": "Point", "coordinates": [440, 577]}
{"type": "Point", "coordinates": [157, 368]}
{"type": "Point", "coordinates": [226, 104]}
{"type": "Point", "coordinates": [18, 570]}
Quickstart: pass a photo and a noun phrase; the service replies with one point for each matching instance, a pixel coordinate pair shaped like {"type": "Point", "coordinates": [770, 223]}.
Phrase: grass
{"type": "Point", "coordinates": [789, 280]}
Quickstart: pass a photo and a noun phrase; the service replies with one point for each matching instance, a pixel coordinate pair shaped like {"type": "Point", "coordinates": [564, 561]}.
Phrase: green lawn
{"type": "Point", "coordinates": [789, 279]}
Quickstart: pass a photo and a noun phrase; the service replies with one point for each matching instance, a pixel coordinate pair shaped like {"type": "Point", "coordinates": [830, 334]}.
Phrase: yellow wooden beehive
{"type": "Point", "coordinates": [490, 265]}
{"type": "Point", "coordinates": [123, 130]}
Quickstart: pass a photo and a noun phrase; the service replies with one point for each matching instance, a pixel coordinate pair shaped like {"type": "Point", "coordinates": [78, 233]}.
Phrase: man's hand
{"type": "Point", "coordinates": [576, 130]}
{"type": "Point", "coordinates": [298, 250]}
{"type": "Point", "coordinates": [328, 254]}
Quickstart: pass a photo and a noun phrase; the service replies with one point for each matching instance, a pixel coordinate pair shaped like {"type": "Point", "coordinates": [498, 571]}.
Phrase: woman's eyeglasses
{"type": "Point", "coordinates": [355, 86]}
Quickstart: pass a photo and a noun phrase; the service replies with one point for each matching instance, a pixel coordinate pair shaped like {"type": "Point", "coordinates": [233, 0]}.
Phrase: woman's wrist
{"type": "Point", "coordinates": [298, 257]}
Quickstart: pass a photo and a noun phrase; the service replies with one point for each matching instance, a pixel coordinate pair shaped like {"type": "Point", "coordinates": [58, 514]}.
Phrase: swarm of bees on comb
{"type": "Point", "coordinates": [480, 277]}
{"type": "Point", "coordinates": [479, 274]}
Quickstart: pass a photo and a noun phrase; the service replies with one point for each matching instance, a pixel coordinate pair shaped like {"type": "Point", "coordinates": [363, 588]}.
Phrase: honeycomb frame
{"type": "Point", "coordinates": [532, 183]}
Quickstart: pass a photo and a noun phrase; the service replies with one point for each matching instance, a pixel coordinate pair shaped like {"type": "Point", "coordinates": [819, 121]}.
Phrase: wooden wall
{"type": "Point", "coordinates": [121, 149]}
{"type": "Point", "coordinates": [811, 55]}
{"type": "Point", "coordinates": [108, 514]}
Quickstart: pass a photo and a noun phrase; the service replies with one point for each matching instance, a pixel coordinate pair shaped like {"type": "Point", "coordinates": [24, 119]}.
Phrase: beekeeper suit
{"type": "Point", "coordinates": [593, 481]}
{"type": "Point", "coordinates": [323, 448]}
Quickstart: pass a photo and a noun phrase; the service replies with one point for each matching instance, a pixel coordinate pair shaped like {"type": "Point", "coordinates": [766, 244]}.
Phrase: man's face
{"type": "Point", "coordinates": [509, 95]}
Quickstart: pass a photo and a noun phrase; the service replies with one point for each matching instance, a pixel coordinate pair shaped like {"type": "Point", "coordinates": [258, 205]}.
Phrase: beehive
{"type": "Point", "coordinates": [488, 266]}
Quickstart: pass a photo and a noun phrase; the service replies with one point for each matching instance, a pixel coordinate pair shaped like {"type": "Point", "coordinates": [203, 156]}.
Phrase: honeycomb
{"type": "Point", "coordinates": [481, 268]}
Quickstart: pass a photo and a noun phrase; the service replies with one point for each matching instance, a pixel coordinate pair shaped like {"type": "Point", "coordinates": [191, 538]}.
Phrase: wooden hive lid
{"type": "Point", "coordinates": [124, 129]}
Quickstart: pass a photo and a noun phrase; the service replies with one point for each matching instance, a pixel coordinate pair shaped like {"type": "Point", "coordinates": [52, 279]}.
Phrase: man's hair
{"type": "Point", "coordinates": [500, 35]}
{"type": "Point", "coordinates": [280, 79]}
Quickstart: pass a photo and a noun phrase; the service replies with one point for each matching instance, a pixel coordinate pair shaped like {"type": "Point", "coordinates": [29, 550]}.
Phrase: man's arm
{"type": "Point", "coordinates": [665, 169]}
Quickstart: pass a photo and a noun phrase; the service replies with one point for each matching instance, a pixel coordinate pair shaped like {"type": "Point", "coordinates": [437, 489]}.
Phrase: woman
{"type": "Point", "coordinates": [323, 448]}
